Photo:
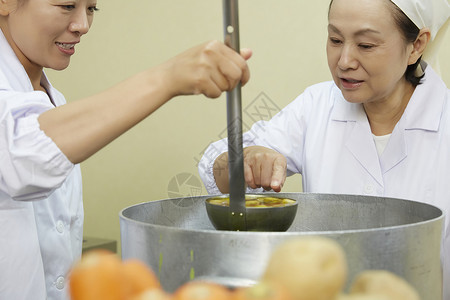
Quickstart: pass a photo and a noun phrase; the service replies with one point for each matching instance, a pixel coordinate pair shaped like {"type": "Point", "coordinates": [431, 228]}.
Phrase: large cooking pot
{"type": "Point", "coordinates": [176, 239]}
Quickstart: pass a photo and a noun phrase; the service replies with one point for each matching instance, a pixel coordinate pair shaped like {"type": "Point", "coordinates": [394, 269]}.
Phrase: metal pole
{"type": "Point", "coordinates": [234, 120]}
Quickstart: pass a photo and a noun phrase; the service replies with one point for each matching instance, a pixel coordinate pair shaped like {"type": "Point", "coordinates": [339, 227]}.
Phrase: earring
{"type": "Point", "coordinates": [419, 71]}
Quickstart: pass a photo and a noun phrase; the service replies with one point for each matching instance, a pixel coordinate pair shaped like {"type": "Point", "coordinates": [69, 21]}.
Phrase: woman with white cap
{"type": "Point", "coordinates": [381, 127]}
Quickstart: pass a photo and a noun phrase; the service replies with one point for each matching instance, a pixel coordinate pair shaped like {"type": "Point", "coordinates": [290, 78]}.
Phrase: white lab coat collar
{"type": "Point", "coordinates": [360, 141]}
{"type": "Point", "coordinates": [428, 95]}
{"type": "Point", "coordinates": [18, 77]}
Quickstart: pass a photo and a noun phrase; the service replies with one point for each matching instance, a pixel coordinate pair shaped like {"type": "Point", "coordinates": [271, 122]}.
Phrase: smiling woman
{"type": "Point", "coordinates": [43, 139]}
{"type": "Point", "coordinates": [48, 26]}
{"type": "Point", "coordinates": [375, 129]}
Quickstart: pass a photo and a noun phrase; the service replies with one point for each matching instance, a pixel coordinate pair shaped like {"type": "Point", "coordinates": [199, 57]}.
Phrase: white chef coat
{"type": "Point", "coordinates": [329, 141]}
{"type": "Point", "coordinates": [41, 210]}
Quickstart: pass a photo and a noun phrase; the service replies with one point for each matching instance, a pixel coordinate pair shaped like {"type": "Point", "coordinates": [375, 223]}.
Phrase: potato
{"type": "Point", "coordinates": [311, 267]}
{"type": "Point", "coordinates": [380, 282]}
{"type": "Point", "coordinates": [263, 290]}
{"type": "Point", "coordinates": [362, 297]}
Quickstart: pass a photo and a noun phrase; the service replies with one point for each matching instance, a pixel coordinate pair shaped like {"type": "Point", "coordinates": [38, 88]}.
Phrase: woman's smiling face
{"type": "Point", "coordinates": [43, 33]}
{"type": "Point", "coordinates": [367, 54]}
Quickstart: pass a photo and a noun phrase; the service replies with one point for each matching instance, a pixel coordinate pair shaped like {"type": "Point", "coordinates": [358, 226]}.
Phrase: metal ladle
{"type": "Point", "coordinates": [237, 216]}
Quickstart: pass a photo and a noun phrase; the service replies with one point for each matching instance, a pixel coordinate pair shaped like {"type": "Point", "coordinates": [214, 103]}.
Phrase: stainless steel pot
{"type": "Point", "coordinates": [176, 239]}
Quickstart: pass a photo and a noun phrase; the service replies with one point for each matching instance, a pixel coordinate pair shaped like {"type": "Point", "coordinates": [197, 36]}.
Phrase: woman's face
{"type": "Point", "coordinates": [43, 33]}
{"type": "Point", "coordinates": [367, 54]}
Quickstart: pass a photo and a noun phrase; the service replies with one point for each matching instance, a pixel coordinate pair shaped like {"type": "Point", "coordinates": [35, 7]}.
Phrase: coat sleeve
{"type": "Point", "coordinates": [31, 165]}
{"type": "Point", "coordinates": [284, 133]}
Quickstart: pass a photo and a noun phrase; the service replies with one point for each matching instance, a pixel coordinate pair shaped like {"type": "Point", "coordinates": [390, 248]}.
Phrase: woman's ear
{"type": "Point", "coordinates": [419, 45]}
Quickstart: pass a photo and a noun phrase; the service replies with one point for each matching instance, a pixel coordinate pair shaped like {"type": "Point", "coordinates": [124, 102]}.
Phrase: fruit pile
{"type": "Point", "coordinates": [303, 268]}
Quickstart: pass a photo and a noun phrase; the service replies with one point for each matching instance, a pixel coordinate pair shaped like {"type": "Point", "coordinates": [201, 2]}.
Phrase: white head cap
{"type": "Point", "coordinates": [426, 13]}
{"type": "Point", "coordinates": [431, 14]}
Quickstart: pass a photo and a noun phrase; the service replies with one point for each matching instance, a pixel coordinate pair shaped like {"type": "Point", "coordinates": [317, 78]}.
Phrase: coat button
{"type": "Point", "coordinates": [60, 282]}
{"type": "Point", "coordinates": [60, 226]}
{"type": "Point", "coordinates": [368, 189]}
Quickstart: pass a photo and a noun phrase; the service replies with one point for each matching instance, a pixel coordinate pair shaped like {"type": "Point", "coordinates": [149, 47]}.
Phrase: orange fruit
{"type": "Point", "coordinates": [202, 290]}
{"type": "Point", "coordinates": [362, 297]}
{"type": "Point", "coordinates": [96, 276]}
{"type": "Point", "coordinates": [137, 277]}
{"type": "Point", "coordinates": [264, 290]}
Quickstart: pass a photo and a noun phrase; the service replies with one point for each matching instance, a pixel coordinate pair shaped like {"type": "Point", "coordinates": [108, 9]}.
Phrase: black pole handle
{"type": "Point", "coordinates": [234, 120]}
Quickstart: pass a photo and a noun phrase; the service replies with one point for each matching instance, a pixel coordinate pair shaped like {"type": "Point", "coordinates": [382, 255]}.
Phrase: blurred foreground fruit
{"type": "Point", "coordinates": [202, 290]}
{"type": "Point", "coordinates": [383, 283]}
{"type": "Point", "coordinates": [311, 268]}
{"type": "Point", "coordinates": [303, 268]}
{"type": "Point", "coordinates": [137, 278]}
{"type": "Point", "coordinates": [97, 276]}
{"type": "Point", "coordinates": [101, 275]}
{"type": "Point", "coordinates": [361, 297]}
{"type": "Point", "coordinates": [264, 290]}
{"type": "Point", "coordinates": [153, 294]}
